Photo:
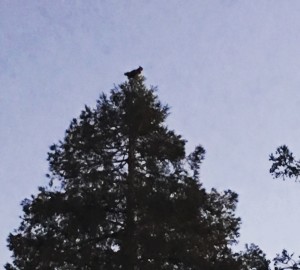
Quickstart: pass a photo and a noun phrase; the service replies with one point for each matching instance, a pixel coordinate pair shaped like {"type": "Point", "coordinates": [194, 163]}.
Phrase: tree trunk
{"type": "Point", "coordinates": [129, 245]}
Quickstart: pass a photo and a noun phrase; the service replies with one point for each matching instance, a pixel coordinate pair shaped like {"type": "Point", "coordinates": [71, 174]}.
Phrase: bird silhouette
{"type": "Point", "coordinates": [133, 73]}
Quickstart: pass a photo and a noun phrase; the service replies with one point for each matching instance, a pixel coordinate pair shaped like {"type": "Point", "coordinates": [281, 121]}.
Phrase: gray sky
{"type": "Point", "coordinates": [229, 69]}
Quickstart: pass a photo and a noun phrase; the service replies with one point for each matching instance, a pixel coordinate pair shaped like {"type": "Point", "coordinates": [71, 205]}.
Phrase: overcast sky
{"type": "Point", "coordinates": [229, 69]}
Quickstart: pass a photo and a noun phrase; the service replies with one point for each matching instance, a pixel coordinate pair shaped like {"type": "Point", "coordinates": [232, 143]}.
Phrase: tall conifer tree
{"type": "Point", "coordinates": [123, 194]}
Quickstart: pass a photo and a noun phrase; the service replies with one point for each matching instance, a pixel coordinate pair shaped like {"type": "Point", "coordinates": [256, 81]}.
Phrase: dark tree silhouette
{"type": "Point", "coordinates": [253, 258]}
{"type": "Point", "coordinates": [286, 261]}
{"type": "Point", "coordinates": [284, 164]}
{"type": "Point", "coordinates": [123, 194]}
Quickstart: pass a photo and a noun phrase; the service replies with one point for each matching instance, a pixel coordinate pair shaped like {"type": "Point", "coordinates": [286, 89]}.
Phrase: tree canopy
{"type": "Point", "coordinates": [284, 163]}
{"type": "Point", "coordinates": [123, 194]}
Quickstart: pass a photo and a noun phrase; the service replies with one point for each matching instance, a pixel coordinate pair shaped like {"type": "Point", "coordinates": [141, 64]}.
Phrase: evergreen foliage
{"type": "Point", "coordinates": [123, 194]}
{"type": "Point", "coordinates": [253, 258]}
